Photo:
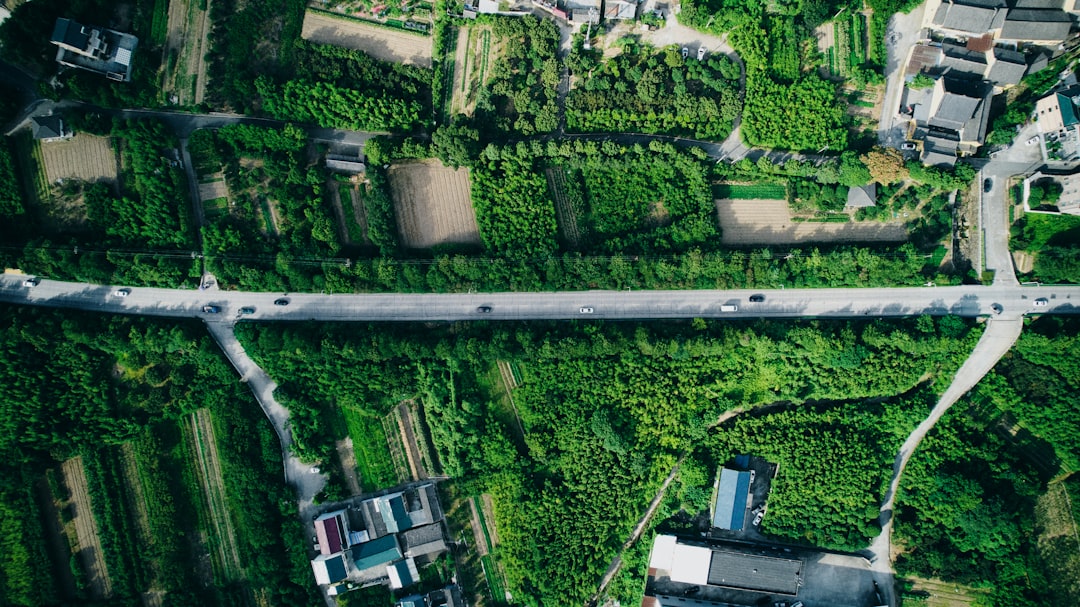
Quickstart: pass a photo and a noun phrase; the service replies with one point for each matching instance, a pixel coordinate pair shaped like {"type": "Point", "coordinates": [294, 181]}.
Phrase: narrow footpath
{"type": "Point", "coordinates": [307, 481]}
{"type": "Point", "coordinates": [999, 336]}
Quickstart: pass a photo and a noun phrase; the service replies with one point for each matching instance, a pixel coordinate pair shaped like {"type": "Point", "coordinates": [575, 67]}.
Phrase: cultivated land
{"type": "Point", "coordinates": [199, 429]}
{"type": "Point", "coordinates": [753, 222]}
{"type": "Point", "coordinates": [84, 157]}
{"type": "Point", "coordinates": [184, 55]}
{"type": "Point", "coordinates": [88, 544]}
{"type": "Point", "coordinates": [433, 205]}
{"type": "Point", "coordinates": [472, 59]}
{"type": "Point", "coordinates": [1059, 540]}
{"type": "Point", "coordinates": [379, 42]}
{"type": "Point", "coordinates": [564, 213]}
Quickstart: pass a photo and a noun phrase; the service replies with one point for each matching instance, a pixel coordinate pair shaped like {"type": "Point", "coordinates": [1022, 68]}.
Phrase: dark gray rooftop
{"type": "Point", "coordinates": [1009, 68]}
{"type": "Point", "coordinates": [973, 16]}
{"type": "Point", "coordinates": [1036, 25]}
{"type": "Point", "coordinates": [752, 572]}
{"type": "Point", "coordinates": [954, 111]}
{"type": "Point", "coordinates": [1054, 5]}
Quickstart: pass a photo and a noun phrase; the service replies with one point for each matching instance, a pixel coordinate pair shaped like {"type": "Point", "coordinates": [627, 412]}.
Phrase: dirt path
{"type": "Point", "coordinates": [478, 534]}
{"type": "Point", "coordinates": [208, 469]}
{"type": "Point", "coordinates": [998, 337]}
{"type": "Point", "coordinates": [88, 543]}
{"type": "Point", "coordinates": [638, 530]}
{"type": "Point", "coordinates": [339, 213]}
{"type": "Point", "coordinates": [509, 383]}
{"type": "Point", "coordinates": [204, 47]}
{"type": "Point", "coordinates": [347, 457]}
{"type": "Point", "coordinates": [408, 438]}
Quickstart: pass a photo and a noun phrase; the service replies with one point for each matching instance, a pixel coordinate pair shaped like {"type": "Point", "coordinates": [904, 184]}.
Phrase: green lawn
{"type": "Point", "coordinates": [1054, 230]}
{"type": "Point", "coordinates": [373, 459]}
{"type": "Point", "coordinates": [755, 191]}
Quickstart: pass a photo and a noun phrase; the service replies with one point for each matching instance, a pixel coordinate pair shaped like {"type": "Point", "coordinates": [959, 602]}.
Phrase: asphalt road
{"type": "Point", "coordinates": [616, 305]}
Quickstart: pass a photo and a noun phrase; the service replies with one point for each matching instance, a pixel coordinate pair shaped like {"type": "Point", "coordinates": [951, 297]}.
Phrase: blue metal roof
{"type": "Point", "coordinates": [731, 495]}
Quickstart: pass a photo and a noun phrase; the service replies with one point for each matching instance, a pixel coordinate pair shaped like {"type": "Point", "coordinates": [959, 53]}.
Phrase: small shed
{"type": "Point", "coordinates": [862, 197]}
{"type": "Point", "coordinates": [330, 569]}
{"type": "Point", "coordinates": [402, 574]}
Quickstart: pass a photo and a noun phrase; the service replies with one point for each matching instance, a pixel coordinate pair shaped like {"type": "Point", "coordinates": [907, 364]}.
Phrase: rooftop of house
{"type": "Point", "coordinates": [861, 197]}
{"type": "Point", "coordinates": [376, 552]}
{"type": "Point", "coordinates": [329, 569]}
{"type": "Point", "coordinates": [1036, 25]}
{"type": "Point", "coordinates": [47, 127]}
{"type": "Point", "coordinates": [114, 61]}
{"type": "Point", "coordinates": [1008, 68]}
{"type": "Point", "coordinates": [402, 574]}
{"type": "Point", "coordinates": [960, 59]}
{"type": "Point", "coordinates": [975, 16]}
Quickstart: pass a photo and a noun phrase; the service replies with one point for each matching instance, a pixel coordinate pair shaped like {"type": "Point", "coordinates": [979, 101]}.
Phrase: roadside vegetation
{"type": "Point", "coordinates": [1053, 241]}
{"type": "Point", "coordinates": [632, 399]}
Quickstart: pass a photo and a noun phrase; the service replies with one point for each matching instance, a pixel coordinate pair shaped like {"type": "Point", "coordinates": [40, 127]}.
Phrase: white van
{"type": "Point", "coordinates": [729, 308]}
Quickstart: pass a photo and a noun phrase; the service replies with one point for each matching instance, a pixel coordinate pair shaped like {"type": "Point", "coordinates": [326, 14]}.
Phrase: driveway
{"type": "Point", "coordinates": [903, 32]}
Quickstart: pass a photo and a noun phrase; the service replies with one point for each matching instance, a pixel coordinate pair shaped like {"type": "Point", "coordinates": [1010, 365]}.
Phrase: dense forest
{"type": "Point", "coordinates": [606, 410]}
{"type": "Point", "coordinates": [981, 502]}
{"type": "Point", "coordinates": [647, 91]}
{"type": "Point", "coordinates": [119, 392]}
{"type": "Point", "coordinates": [520, 97]}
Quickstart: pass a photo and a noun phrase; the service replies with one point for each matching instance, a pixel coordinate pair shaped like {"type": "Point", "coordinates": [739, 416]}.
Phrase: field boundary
{"type": "Point", "coordinates": [88, 541]}
{"type": "Point", "coordinates": [208, 471]}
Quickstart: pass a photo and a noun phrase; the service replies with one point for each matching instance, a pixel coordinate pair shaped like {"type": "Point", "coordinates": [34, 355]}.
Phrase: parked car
{"type": "Point", "coordinates": [31, 282]}
{"type": "Point", "coordinates": [211, 309]}
{"type": "Point", "coordinates": [685, 52]}
{"type": "Point", "coordinates": [1041, 302]}
{"type": "Point", "coordinates": [121, 292]}
{"type": "Point", "coordinates": [700, 53]}
{"type": "Point", "coordinates": [988, 184]}
{"type": "Point", "coordinates": [1032, 141]}
{"type": "Point", "coordinates": [758, 518]}
{"type": "Point", "coordinates": [484, 309]}
{"type": "Point", "coordinates": [586, 310]}
{"type": "Point", "coordinates": [246, 310]}
{"type": "Point", "coordinates": [282, 301]}
{"type": "Point", "coordinates": [757, 298]}
{"type": "Point", "coordinates": [908, 145]}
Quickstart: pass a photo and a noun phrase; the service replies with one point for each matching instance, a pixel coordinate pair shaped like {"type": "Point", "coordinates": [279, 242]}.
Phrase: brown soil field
{"type": "Point", "coordinates": [947, 594]}
{"type": "Point", "coordinates": [1024, 261]}
{"type": "Point", "coordinates": [408, 438]}
{"type": "Point", "coordinates": [88, 546]}
{"type": "Point", "coordinates": [213, 189]}
{"type": "Point", "coordinates": [379, 42]}
{"type": "Point", "coordinates": [433, 205]}
{"type": "Point", "coordinates": [347, 457]}
{"type": "Point", "coordinates": [751, 222]}
{"type": "Point", "coordinates": [208, 469]}
{"type": "Point", "coordinates": [84, 157]}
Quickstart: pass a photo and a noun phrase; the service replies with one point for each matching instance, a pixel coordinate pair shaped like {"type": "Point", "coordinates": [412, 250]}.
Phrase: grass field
{"type": "Point", "coordinates": [754, 191]}
{"type": "Point", "coordinates": [1053, 230]}
{"type": "Point", "coordinates": [373, 459]}
{"type": "Point", "coordinates": [216, 207]}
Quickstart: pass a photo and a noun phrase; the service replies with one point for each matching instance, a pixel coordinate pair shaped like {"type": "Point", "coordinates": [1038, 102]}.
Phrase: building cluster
{"type": "Point", "coordinates": [381, 540]}
{"type": "Point", "coordinates": [578, 11]}
{"type": "Point", "coordinates": [94, 49]}
{"type": "Point", "coordinates": [978, 48]}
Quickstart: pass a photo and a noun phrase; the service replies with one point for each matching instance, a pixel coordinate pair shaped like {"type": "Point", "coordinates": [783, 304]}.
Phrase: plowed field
{"type": "Point", "coordinates": [85, 157]}
{"type": "Point", "coordinates": [432, 204]}
{"type": "Point", "coordinates": [752, 222]}
{"type": "Point", "coordinates": [379, 42]}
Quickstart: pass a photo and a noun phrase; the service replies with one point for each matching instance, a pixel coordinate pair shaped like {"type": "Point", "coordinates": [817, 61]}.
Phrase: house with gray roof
{"type": "Point", "coordinates": [961, 62]}
{"type": "Point", "coordinates": [93, 48]}
{"type": "Point", "coordinates": [49, 128]}
{"type": "Point", "coordinates": [862, 197]}
{"type": "Point", "coordinates": [955, 119]}
{"type": "Point", "coordinates": [423, 541]}
{"type": "Point", "coordinates": [1042, 27]}
{"type": "Point", "coordinates": [969, 16]}
{"type": "Point", "coordinates": [397, 512]}
{"type": "Point", "coordinates": [1007, 67]}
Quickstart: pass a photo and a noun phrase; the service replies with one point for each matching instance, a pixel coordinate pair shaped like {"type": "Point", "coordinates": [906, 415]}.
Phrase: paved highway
{"type": "Point", "coordinates": [621, 305]}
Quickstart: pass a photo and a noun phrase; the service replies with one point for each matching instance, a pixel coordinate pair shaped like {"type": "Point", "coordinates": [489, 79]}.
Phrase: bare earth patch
{"type": "Point", "coordinates": [347, 458]}
{"type": "Point", "coordinates": [213, 189]}
{"type": "Point", "coordinates": [1024, 261]}
{"type": "Point", "coordinates": [185, 50]}
{"type": "Point", "coordinates": [753, 222]}
{"type": "Point", "coordinates": [84, 157]}
{"type": "Point", "coordinates": [433, 205]}
{"type": "Point", "coordinates": [379, 42]}
{"type": "Point", "coordinates": [86, 532]}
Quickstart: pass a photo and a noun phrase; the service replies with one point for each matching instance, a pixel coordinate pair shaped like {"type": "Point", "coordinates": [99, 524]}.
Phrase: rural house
{"type": "Point", "coordinates": [94, 49]}
{"type": "Point", "coordinates": [49, 128]}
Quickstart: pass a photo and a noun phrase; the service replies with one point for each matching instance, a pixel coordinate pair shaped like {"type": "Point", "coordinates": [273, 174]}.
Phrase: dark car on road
{"type": "Point", "coordinates": [757, 298]}
{"type": "Point", "coordinates": [247, 310]}
{"type": "Point", "coordinates": [484, 309]}
{"type": "Point", "coordinates": [211, 309]}
{"type": "Point", "coordinates": [281, 302]}
{"type": "Point", "coordinates": [988, 184]}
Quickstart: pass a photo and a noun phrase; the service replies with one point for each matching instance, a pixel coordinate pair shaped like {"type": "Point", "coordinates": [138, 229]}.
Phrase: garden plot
{"type": "Point", "coordinates": [88, 542]}
{"type": "Point", "coordinates": [185, 50]}
{"type": "Point", "coordinates": [472, 60]}
{"type": "Point", "coordinates": [766, 222]}
{"type": "Point", "coordinates": [378, 41]}
{"type": "Point", "coordinates": [83, 157]}
{"type": "Point", "coordinates": [433, 205]}
{"type": "Point", "coordinates": [199, 433]}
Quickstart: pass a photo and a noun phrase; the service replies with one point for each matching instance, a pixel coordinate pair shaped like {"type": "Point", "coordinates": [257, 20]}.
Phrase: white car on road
{"type": "Point", "coordinates": [121, 292]}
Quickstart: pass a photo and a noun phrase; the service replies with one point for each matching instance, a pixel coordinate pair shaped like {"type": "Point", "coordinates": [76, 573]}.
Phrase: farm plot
{"type": "Point", "coordinates": [349, 209]}
{"type": "Point", "coordinates": [88, 542]}
{"type": "Point", "coordinates": [84, 157]}
{"type": "Point", "coordinates": [199, 432]}
{"type": "Point", "coordinates": [1059, 539]}
{"type": "Point", "coordinates": [472, 58]}
{"type": "Point", "coordinates": [184, 52]}
{"type": "Point", "coordinates": [765, 222]}
{"type": "Point", "coordinates": [843, 42]}
{"type": "Point", "coordinates": [433, 205]}
{"type": "Point", "coordinates": [378, 41]}
{"type": "Point", "coordinates": [565, 213]}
